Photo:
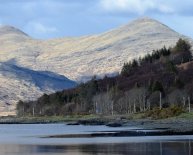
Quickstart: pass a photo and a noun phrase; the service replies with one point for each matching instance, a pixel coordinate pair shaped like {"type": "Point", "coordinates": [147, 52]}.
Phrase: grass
{"type": "Point", "coordinates": [186, 115]}
{"type": "Point", "coordinates": [171, 112]}
{"type": "Point", "coordinates": [46, 119]}
{"type": "Point", "coordinates": [137, 116]}
{"type": "Point", "coordinates": [69, 118]}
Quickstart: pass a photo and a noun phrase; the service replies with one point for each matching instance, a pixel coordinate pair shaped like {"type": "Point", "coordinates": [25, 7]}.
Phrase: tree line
{"type": "Point", "coordinates": [161, 79]}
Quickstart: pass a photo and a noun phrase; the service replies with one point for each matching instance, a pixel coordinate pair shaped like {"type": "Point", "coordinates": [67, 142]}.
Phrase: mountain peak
{"type": "Point", "coordinates": [7, 29]}
{"type": "Point", "coordinates": [145, 26]}
{"type": "Point", "coordinates": [146, 21]}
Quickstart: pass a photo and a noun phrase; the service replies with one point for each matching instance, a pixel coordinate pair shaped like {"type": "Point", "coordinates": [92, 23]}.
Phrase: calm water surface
{"type": "Point", "coordinates": [26, 140]}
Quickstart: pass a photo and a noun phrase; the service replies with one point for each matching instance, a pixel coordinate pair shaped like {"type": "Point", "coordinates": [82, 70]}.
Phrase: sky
{"type": "Point", "coordinates": [45, 19]}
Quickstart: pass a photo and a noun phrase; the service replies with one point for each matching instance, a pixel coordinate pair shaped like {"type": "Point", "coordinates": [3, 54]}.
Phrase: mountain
{"type": "Point", "coordinates": [79, 58]}
{"type": "Point", "coordinates": [18, 83]}
{"type": "Point", "coordinates": [166, 73]}
{"type": "Point", "coordinates": [10, 30]}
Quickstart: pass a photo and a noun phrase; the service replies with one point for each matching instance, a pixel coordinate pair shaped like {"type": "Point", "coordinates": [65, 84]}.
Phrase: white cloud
{"type": "Point", "coordinates": [135, 6]}
{"type": "Point", "coordinates": [37, 27]}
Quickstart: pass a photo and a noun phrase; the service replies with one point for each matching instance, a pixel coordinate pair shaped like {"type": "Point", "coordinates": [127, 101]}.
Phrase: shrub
{"type": "Point", "coordinates": [172, 111]}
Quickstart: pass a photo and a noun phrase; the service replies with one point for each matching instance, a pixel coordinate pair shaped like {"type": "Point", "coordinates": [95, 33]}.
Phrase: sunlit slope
{"type": "Point", "coordinates": [77, 58]}
{"type": "Point", "coordinates": [88, 55]}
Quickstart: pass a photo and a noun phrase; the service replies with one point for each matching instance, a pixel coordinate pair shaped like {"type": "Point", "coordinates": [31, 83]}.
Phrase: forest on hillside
{"type": "Point", "coordinates": [159, 80]}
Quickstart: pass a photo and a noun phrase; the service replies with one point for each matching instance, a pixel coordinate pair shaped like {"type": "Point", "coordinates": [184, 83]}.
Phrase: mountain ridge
{"type": "Point", "coordinates": [80, 58]}
{"type": "Point", "coordinates": [18, 83]}
{"type": "Point", "coordinates": [8, 29]}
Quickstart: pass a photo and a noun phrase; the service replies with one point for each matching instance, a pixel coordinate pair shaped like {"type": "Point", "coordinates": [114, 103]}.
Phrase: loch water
{"type": "Point", "coordinates": [28, 139]}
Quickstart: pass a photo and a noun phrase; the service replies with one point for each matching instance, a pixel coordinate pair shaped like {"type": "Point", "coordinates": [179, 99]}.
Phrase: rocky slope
{"type": "Point", "coordinates": [18, 83]}
{"type": "Point", "coordinates": [77, 58]}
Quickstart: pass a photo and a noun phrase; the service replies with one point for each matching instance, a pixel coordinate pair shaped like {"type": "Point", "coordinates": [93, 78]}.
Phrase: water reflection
{"type": "Point", "coordinates": [159, 148]}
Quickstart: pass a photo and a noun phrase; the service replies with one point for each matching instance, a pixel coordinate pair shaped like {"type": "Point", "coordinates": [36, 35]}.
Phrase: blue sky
{"type": "Point", "coordinates": [46, 19]}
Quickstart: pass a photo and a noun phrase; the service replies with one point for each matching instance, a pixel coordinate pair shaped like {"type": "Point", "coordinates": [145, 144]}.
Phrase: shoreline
{"type": "Point", "coordinates": [130, 133]}
{"type": "Point", "coordinates": [183, 123]}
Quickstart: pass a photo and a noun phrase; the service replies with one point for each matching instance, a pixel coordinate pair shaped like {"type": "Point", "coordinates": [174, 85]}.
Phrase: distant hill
{"type": "Point", "coordinates": [159, 84]}
{"type": "Point", "coordinates": [79, 58]}
{"type": "Point", "coordinates": [18, 83]}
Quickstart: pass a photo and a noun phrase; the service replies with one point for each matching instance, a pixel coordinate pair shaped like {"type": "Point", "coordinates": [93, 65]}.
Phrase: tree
{"type": "Point", "coordinates": [102, 104]}
{"type": "Point", "coordinates": [129, 68]}
{"type": "Point", "coordinates": [171, 67]}
{"type": "Point", "coordinates": [126, 69]}
{"type": "Point", "coordinates": [157, 86]}
{"type": "Point", "coordinates": [20, 108]}
{"type": "Point", "coordinates": [179, 84]}
{"type": "Point", "coordinates": [177, 97]}
{"type": "Point", "coordinates": [182, 46]}
{"type": "Point", "coordinates": [181, 52]}
{"type": "Point", "coordinates": [154, 99]}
